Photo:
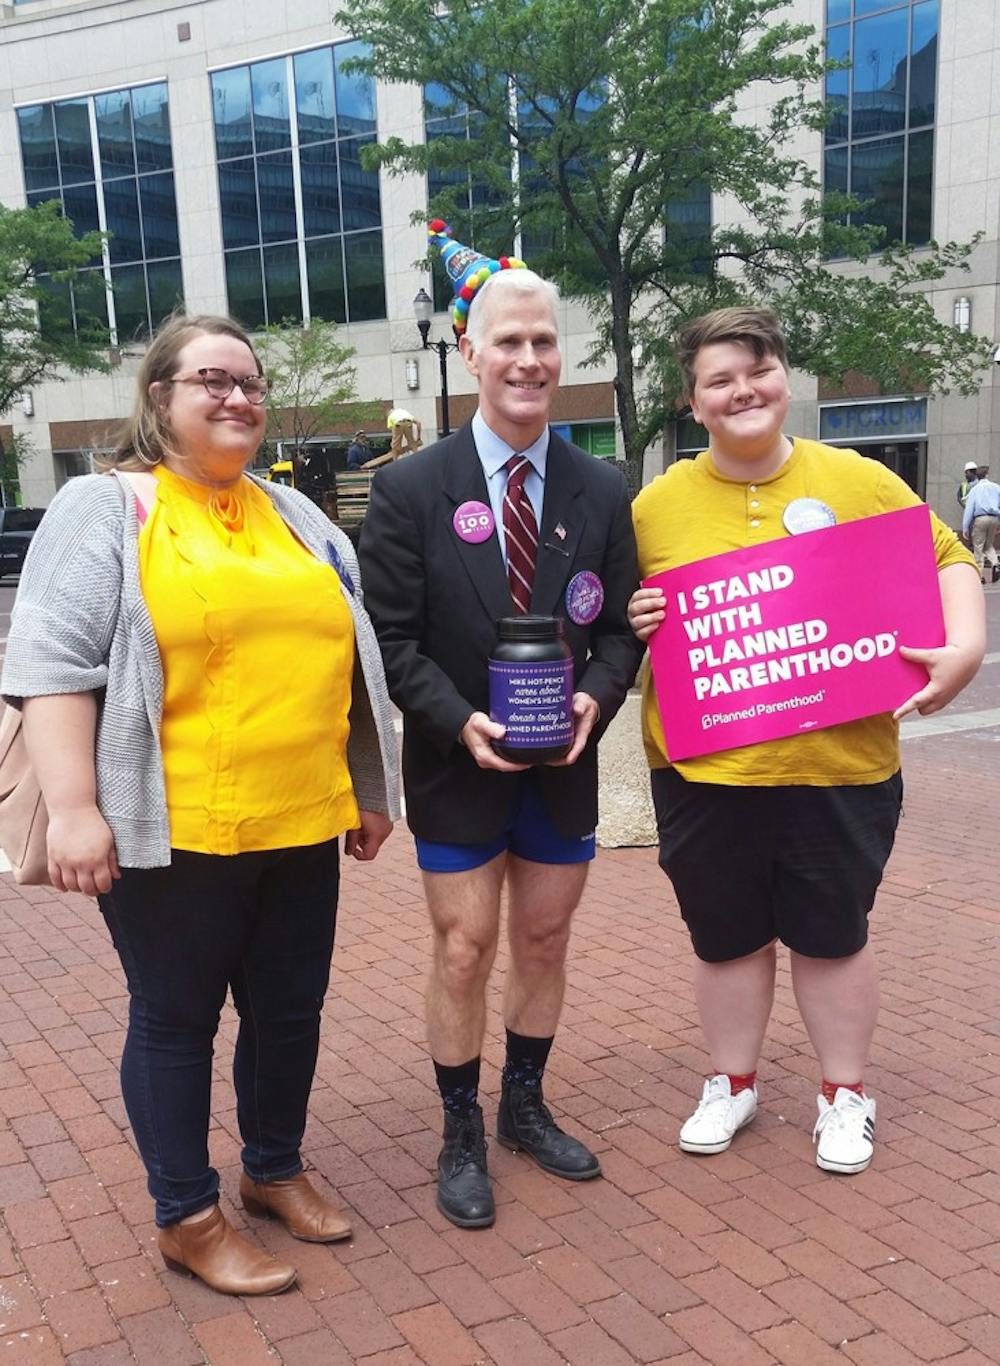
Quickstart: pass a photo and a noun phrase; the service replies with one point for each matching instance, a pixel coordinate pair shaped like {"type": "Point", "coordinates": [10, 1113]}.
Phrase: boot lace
{"type": "Point", "coordinates": [533, 1111]}
{"type": "Point", "coordinates": [469, 1145]}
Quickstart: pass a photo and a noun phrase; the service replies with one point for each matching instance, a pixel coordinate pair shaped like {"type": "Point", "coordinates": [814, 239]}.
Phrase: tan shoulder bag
{"type": "Point", "coordinates": [24, 821]}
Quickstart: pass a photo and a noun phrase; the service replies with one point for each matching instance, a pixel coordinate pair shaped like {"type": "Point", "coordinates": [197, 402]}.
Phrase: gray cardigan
{"type": "Point", "coordinates": [80, 624]}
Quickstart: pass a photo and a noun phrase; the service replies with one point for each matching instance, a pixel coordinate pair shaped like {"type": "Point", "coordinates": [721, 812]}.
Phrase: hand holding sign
{"type": "Point", "coordinates": [952, 666]}
{"type": "Point", "coordinates": [947, 677]}
{"type": "Point", "coordinates": [646, 609]}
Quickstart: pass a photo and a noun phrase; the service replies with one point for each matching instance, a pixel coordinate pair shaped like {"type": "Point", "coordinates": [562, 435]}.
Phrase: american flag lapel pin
{"type": "Point", "coordinates": [560, 531]}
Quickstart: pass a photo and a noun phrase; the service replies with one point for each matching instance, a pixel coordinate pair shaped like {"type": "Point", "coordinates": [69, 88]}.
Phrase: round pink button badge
{"type": "Point", "coordinates": [474, 522]}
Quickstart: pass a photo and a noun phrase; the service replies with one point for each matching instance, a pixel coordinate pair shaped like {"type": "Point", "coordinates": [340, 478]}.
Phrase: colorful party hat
{"type": "Point", "coordinates": [468, 269]}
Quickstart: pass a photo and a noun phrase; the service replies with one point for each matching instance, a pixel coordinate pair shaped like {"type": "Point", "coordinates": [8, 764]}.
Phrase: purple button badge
{"type": "Point", "coordinates": [584, 597]}
{"type": "Point", "coordinates": [474, 522]}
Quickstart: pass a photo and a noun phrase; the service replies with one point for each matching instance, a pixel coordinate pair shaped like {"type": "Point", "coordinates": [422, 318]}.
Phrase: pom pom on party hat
{"type": "Point", "coordinates": [468, 269]}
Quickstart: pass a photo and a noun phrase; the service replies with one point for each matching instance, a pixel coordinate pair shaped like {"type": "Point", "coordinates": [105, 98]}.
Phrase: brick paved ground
{"type": "Point", "coordinates": [750, 1257]}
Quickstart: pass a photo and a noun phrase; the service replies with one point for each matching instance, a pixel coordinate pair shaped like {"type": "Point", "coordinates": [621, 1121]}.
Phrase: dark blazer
{"type": "Point", "coordinates": [435, 600]}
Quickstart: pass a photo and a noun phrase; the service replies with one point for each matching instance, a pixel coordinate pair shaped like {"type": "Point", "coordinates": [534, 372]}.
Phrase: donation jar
{"type": "Point", "coordinates": [531, 689]}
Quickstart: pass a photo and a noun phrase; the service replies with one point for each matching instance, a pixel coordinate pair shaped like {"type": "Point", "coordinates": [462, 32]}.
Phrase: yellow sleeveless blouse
{"type": "Point", "coordinates": [257, 646]}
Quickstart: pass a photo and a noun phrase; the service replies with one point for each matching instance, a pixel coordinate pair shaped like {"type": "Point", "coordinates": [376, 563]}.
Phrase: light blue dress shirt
{"type": "Point", "coordinates": [983, 501]}
{"type": "Point", "coordinates": [493, 455]}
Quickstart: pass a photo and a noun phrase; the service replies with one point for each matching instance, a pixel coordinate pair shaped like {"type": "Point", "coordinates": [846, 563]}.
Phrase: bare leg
{"type": "Point", "coordinates": [543, 897]}
{"type": "Point", "coordinates": [465, 918]}
{"type": "Point", "coordinates": [734, 1002]}
{"type": "Point", "coordinates": [542, 900]}
{"type": "Point", "coordinates": [838, 1001]}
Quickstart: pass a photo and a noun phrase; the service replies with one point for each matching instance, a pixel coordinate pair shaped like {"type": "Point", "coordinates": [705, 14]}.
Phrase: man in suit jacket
{"type": "Point", "coordinates": [479, 820]}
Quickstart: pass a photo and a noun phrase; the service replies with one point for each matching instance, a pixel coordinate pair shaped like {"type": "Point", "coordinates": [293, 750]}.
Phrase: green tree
{"type": "Point", "coordinates": [593, 125]}
{"type": "Point", "coordinates": [14, 454]}
{"type": "Point", "coordinates": [39, 260]}
{"type": "Point", "coordinates": [313, 382]}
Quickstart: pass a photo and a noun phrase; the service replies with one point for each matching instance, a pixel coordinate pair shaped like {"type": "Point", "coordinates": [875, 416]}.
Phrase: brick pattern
{"type": "Point", "coordinates": [754, 1256]}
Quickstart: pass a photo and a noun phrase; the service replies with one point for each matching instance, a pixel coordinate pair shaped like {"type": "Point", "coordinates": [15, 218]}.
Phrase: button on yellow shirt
{"type": "Point", "coordinates": [257, 646]}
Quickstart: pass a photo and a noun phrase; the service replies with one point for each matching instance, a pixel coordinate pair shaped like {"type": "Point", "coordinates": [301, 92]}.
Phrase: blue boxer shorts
{"type": "Point", "coordinates": [530, 834]}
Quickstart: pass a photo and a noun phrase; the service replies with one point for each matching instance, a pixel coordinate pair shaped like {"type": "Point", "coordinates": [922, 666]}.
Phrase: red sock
{"type": "Point", "coordinates": [830, 1089]}
{"type": "Point", "coordinates": [741, 1083]}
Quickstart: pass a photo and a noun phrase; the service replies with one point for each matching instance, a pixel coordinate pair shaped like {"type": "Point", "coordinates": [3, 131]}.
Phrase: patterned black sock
{"type": "Point", "coordinates": [459, 1086]}
{"type": "Point", "coordinates": [526, 1059]}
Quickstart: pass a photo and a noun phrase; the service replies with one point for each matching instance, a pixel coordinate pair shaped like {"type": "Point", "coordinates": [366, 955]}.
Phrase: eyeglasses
{"type": "Point", "coordinates": [220, 383]}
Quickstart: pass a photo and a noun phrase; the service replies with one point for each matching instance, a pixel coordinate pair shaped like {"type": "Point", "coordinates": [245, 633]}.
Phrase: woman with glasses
{"type": "Point", "coordinates": [204, 704]}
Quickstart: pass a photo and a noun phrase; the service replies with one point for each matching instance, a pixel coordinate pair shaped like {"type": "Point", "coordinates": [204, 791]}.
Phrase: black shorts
{"type": "Point", "coordinates": [752, 864]}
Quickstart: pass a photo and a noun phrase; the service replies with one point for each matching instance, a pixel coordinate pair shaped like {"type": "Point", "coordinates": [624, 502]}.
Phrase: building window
{"type": "Point", "coordinates": [107, 159]}
{"type": "Point", "coordinates": [562, 251]}
{"type": "Point", "coordinates": [596, 438]}
{"type": "Point", "coordinates": [891, 430]}
{"type": "Point", "coordinates": [690, 438]}
{"type": "Point", "coordinates": [71, 464]}
{"type": "Point", "coordinates": [301, 217]}
{"type": "Point", "coordinates": [476, 205]}
{"type": "Point", "coordinates": [473, 203]}
{"type": "Point", "coordinates": [880, 140]}
{"type": "Point", "coordinates": [689, 230]}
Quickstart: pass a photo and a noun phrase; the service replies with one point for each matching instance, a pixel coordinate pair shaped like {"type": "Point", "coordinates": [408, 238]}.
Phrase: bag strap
{"type": "Point", "coordinates": [10, 727]}
{"type": "Point", "coordinates": [143, 487]}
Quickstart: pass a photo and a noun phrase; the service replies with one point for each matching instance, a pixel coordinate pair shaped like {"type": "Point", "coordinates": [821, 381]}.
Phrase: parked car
{"type": "Point", "coordinates": [17, 526]}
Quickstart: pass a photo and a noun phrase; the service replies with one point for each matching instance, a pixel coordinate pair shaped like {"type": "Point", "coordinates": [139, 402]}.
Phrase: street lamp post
{"type": "Point", "coordinates": [423, 311]}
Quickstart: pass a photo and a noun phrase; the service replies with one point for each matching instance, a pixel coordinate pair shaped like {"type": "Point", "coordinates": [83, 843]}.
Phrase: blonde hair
{"type": "Point", "coordinates": [756, 328]}
{"type": "Point", "coordinates": [145, 438]}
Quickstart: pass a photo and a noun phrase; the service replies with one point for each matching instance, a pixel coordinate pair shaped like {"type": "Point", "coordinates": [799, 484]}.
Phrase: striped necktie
{"type": "Point", "coordinates": [520, 533]}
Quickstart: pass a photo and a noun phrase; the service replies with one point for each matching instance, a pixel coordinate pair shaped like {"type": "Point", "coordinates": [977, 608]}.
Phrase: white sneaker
{"type": "Point", "coordinates": [718, 1116]}
{"type": "Point", "coordinates": [845, 1132]}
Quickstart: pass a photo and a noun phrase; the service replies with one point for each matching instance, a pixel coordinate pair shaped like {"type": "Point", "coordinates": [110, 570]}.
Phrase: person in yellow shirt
{"type": "Point", "coordinates": [788, 839]}
{"type": "Point", "coordinates": [205, 706]}
{"type": "Point", "coordinates": [406, 432]}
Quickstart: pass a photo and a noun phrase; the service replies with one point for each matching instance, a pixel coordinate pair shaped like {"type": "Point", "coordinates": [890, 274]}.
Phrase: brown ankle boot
{"type": "Point", "coordinates": [302, 1210]}
{"type": "Point", "coordinates": [213, 1251]}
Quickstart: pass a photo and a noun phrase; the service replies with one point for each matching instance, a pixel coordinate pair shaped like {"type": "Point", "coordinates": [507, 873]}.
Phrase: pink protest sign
{"type": "Point", "coordinates": [795, 634]}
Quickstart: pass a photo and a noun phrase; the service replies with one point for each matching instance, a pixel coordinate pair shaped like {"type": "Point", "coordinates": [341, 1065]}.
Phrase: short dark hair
{"type": "Point", "coordinates": [757, 328]}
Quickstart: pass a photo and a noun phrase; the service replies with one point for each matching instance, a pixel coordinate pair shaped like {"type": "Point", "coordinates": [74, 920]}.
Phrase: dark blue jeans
{"type": "Point", "coordinates": [262, 925]}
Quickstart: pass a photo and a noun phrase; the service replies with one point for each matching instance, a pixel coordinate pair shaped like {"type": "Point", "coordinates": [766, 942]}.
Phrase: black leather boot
{"type": "Point", "coordinates": [524, 1123]}
{"type": "Point", "coordinates": [464, 1193]}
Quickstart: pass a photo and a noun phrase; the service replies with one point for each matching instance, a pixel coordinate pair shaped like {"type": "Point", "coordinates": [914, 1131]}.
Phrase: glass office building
{"type": "Point", "coordinates": [222, 149]}
{"type": "Point", "coordinates": [108, 160]}
{"type": "Point", "coordinates": [301, 215]}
